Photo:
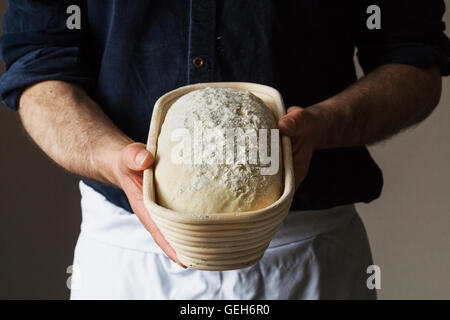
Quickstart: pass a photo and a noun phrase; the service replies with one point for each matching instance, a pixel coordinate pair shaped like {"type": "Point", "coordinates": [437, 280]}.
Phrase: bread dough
{"type": "Point", "coordinates": [198, 171]}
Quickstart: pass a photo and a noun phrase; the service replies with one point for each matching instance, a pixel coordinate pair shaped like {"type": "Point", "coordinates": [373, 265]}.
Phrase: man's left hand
{"type": "Point", "coordinates": [303, 127]}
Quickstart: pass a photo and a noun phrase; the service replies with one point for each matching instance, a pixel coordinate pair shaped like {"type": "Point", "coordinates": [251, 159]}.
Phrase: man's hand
{"type": "Point", "coordinates": [387, 100]}
{"type": "Point", "coordinates": [303, 128]}
{"type": "Point", "coordinates": [72, 130]}
{"type": "Point", "coordinates": [128, 169]}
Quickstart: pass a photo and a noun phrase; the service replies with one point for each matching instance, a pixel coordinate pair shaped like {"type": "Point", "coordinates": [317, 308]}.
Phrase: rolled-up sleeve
{"type": "Point", "coordinates": [412, 33]}
{"type": "Point", "coordinates": [37, 46]}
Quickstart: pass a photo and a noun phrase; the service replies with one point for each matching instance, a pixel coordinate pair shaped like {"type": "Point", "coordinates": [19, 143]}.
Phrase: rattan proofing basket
{"type": "Point", "coordinates": [219, 241]}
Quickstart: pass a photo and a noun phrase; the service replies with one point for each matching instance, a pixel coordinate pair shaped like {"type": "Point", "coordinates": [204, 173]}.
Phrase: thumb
{"type": "Point", "coordinates": [289, 123]}
{"type": "Point", "coordinates": [136, 157]}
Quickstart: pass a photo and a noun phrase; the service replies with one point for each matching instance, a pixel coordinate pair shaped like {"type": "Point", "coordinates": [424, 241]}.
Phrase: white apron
{"type": "Point", "coordinates": [322, 254]}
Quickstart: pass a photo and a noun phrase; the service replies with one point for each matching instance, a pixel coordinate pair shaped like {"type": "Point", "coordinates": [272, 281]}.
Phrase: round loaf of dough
{"type": "Point", "coordinates": [205, 159]}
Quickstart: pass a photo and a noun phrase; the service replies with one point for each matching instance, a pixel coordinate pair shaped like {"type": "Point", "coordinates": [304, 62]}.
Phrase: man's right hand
{"type": "Point", "coordinates": [128, 169]}
{"type": "Point", "coordinates": [73, 130]}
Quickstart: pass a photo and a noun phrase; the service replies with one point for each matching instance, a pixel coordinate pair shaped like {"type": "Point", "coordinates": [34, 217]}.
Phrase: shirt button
{"type": "Point", "coordinates": [198, 62]}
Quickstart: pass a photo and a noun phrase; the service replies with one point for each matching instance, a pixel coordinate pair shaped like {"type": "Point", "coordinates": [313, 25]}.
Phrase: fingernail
{"type": "Point", "coordinates": [290, 125]}
{"type": "Point", "coordinates": [180, 264]}
{"type": "Point", "coordinates": [141, 156]}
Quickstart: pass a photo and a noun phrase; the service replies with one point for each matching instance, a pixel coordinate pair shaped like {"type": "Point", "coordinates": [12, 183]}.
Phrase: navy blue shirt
{"type": "Point", "coordinates": [129, 53]}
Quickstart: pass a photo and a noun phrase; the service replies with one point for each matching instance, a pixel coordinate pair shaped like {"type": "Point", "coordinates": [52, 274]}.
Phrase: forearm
{"type": "Point", "coordinates": [387, 100]}
{"type": "Point", "coordinates": [71, 129]}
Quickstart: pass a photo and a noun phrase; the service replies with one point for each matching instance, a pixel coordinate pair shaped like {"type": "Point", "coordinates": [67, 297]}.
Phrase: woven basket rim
{"type": "Point", "coordinates": [217, 218]}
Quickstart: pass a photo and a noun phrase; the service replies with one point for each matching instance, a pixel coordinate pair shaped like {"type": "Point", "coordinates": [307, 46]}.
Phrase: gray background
{"type": "Point", "coordinates": [408, 226]}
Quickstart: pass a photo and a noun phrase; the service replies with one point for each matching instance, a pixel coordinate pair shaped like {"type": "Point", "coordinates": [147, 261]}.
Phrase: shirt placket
{"type": "Point", "coordinates": [202, 29]}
